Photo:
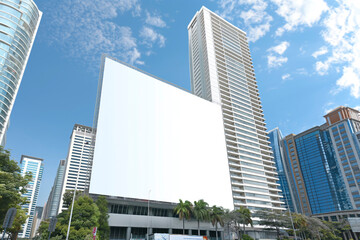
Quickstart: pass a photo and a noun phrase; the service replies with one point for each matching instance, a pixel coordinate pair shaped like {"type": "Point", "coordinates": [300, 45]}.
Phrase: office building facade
{"type": "Point", "coordinates": [221, 72]}
{"type": "Point", "coordinates": [19, 22]}
{"type": "Point", "coordinates": [321, 181]}
{"type": "Point", "coordinates": [35, 167]}
{"type": "Point", "coordinates": [51, 207]}
{"type": "Point", "coordinates": [78, 162]}
{"type": "Point", "coordinates": [323, 164]}
{"type": "Point", "coordinates": [283, 170]}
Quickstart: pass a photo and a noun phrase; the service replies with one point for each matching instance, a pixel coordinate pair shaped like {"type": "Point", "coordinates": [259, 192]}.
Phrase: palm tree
{"type": "Point", "coordinates": [183, 209]}
{"type": "Point", "coordinates": [216, 216]}
{"type": "Point", "coordinates": [244, 217]}
{"type": "Point", "coordinates": [201, 212]}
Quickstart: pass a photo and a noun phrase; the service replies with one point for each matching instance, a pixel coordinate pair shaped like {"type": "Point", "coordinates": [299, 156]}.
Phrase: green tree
{"type": "Point", "coordinates": [216, 217]}
{"type": "Point", "coordinates": [68, 196]}
{"type": "Point", "coordinates": [43, 230]}
{"type": "Point", "coordinates": [201, 212]}
{"type": "Point", "coordinates": [12, 184]}
{"type": "Point", "coordinates": [103, 229]}
{"type": "Point", "coordinates": [300, 223]}
{"type": "Point", "coordinates": [243, 216]}
{"type": "Point", "coordinates": [85, 217]}
{"type": "Point", "coordinates": [183, 209]}
{"type": "Point", "coordinates": [273, 220]}
{"type": "Point", "coordinates": [20, 219]}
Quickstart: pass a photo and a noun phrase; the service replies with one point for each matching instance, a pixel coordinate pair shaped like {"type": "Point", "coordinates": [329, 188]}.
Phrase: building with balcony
{"type": "Point", "coordinates": [221, 72]}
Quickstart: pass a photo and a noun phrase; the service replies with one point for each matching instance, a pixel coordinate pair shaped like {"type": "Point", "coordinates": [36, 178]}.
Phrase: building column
{"type": "Point", "coordinates": [170, 231]}
{"type": "Point", "coordinates": [128, 233]}
{"type": "Point", "coordinates": [208, 233]}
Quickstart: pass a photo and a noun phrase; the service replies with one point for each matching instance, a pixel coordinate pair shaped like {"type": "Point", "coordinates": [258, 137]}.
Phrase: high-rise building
{"type": "Point", "coordinates": [77, 169]}
{"type": "Point", "coordinates": [319, 184]}
{"type": "Point", "coordinates": [36, 221]}
{"type": "Point", "coordinates": [34, 166]}
{"type": "Point", "coordinates": [221, 71]}
{"type": "Point", "coordinates": [51, 208]}
{"type": "Point", "coordinates": [323, 164]}
{"type": "Point", "coordinates": [283, 170]}
{"type": "Point", "coordinates": [343, 125]}
{"type": "Point", "coordinates": [19, 22]}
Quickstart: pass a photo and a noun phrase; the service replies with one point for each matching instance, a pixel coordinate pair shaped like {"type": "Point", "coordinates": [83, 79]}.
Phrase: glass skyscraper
{"type": "Point", "coordinates": [323, 162]}
{"type": "Point", "coordinates": [221, 72]}
{"type": "Point", "coordinates": [52, 205]}
{"type": "Point", "coordinates": [282, 167]}
{"type": "Point", "coordinates": [19, 21]}
{"type": "Point", "coordinates": [35, 167]}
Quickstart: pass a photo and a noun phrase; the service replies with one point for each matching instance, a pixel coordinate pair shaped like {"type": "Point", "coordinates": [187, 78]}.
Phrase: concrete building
{"type": "Point", "coordinates": [19, 22]}
{"type": "Point", "coordinates": [343, 125]}
{"type": "Point", "coordinates": [77, 165]}
{"type": "Point", "coordinates": [155, 143]}
{"type": "Point", "coordinates": [34, 166]}
{"type": "Point", "coordinates": [51, 207]}
{"type": "Point", "coordinates": [222, 72]}
{"type": "Point", "coordinates": [351, 216]}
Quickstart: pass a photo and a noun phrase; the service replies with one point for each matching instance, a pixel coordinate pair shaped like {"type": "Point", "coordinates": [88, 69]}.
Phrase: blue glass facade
{"type": "Point", "coordinates": [321, 177]}
{"type": "Point", "coordinates": [19, 22]}
{"type": "Point", "coordinates": [275, 143]}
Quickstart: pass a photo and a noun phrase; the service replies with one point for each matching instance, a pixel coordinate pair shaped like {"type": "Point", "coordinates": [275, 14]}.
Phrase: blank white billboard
{"type": "Point", "coordinates": [156, 140]}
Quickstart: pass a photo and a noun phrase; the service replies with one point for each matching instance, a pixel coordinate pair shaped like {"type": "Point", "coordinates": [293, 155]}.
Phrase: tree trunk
{"type": "Point", "coordinates": [183, 226]}
{"type": "Point", "coordinates": [228, 231]}
{"type": "Point", "coordinates": [278, 233]}
{"type": "Point", "coordinates": [216, 231]}
{"type": "Point", "coordinates": [199, 227]}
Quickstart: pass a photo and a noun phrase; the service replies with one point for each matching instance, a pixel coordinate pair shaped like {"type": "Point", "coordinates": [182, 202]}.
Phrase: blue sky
{"type": "Point", "coordinates": [306, 56]}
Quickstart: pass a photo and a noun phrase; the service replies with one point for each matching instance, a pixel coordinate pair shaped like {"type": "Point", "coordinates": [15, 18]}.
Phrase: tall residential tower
{"type": "Point", "coordinates": [78, 167]}
{"type": "Point", "coordinates": [34, 166]}
{"type": "Point", "coordinates": [221, 72]}
{"type": "Point", "coordinates": [19, 22]}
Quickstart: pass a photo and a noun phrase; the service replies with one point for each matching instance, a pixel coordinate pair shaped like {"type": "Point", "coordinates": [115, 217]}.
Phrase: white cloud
{"type": "Point", "coordinates": [328, 107]}
{"type": "Point", "coordinates": [299, 12]}
{"type": "Point", "coordinates": [357, 108]}
{"type": "Point", "coordinates": [285, 76]}
{"type": "Point", "coordinates": [150, 37]}
{"type": "Point", "coordinates": [342, 33]}
{"type": "Point", "coordinates": [155, 21]}
{"type": "Point", "coordinates": [276, 61]}
{"type": "Point", "coordinates": [274, 58]}
{"type": "Point", "coordinates": [281, 48]}
{"type": "Point", "coordinates": [87, 29]}
{"type": "Point", "coordinates": [251, 12]}
{"type": "Point", "coordinates": [350, 79]}
{"type": "Point", "coordinates": [323, 50]}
